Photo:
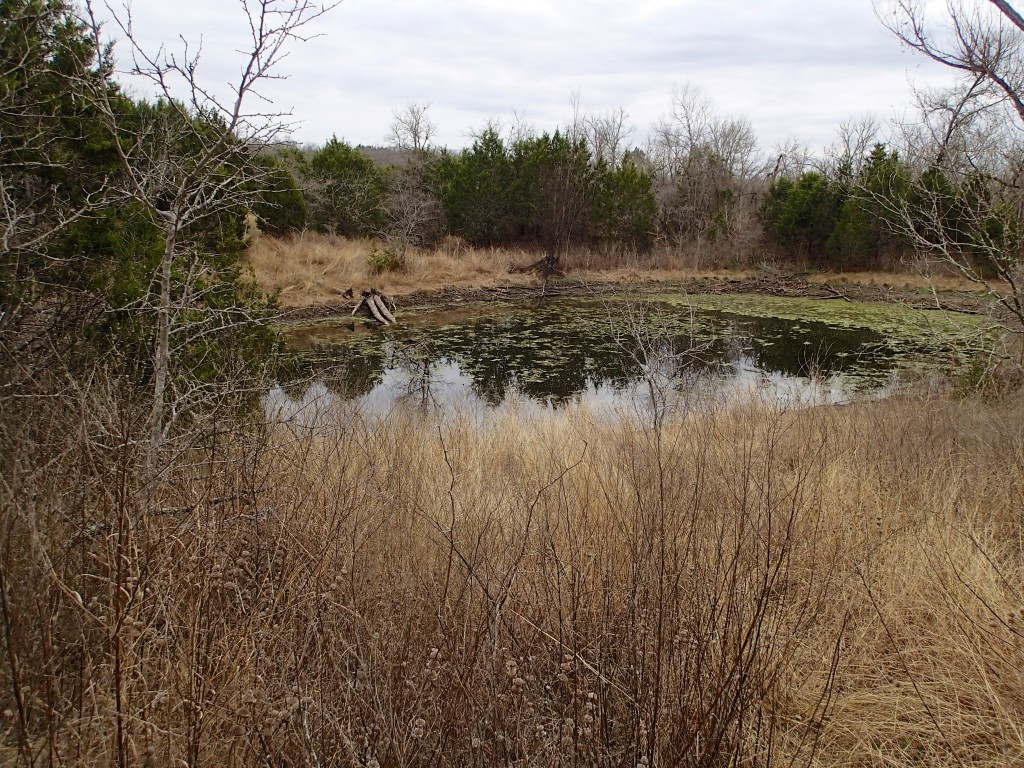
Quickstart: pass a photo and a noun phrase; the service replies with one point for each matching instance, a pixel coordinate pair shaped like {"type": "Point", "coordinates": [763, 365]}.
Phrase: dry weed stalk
{"type": "Point", "coordinates": [829, 586]}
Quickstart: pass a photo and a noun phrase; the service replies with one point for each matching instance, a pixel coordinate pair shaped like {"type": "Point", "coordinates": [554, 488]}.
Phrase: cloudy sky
{"type": "Point", "coordinates": [794, 68]}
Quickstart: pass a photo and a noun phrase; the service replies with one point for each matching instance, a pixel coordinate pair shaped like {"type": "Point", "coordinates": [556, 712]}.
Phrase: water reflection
{"type": "Point", "coordinates": [598, 355]}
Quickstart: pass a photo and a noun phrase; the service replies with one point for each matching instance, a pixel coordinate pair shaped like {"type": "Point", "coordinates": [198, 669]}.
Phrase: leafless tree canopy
{"type": "Point", "coordinates": [412, 129]}
{"type": "Point", "coordinates": [981, 41]}
{"type": "Point", "coordinates": [607, 135]}
{"type": "Point", "coordinates": [851, 147]}
{"type": "Point", "coordinates": [968, 210]}
{"type": "Point", "coordinates": [706, 168]}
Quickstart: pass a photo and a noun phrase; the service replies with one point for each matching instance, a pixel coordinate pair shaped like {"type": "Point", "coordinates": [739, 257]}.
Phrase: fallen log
{"type": "Point", "coordinates": [371, 303]}
{"type": "Point", "coordinates": [836, 294]}
{"type": "Point", "coordinates": [377, 305]}
{"type": "Point", "coordinates": [378, 301]}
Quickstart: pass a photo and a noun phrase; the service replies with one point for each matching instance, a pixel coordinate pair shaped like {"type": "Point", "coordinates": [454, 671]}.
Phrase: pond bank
{"type": "Point", "coordinates": [776, 284]}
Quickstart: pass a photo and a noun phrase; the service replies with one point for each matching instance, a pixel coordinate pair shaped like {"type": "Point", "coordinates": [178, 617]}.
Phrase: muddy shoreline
{"type": "Point", "coordinates": [780, 285]}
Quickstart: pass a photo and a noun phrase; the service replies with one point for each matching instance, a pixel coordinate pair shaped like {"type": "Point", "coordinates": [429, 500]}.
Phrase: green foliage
{"type": "Point", "coordinates": [801, 214]}
{"type": "Point", "coordinates": [555, 182]}
{"type": "Point", "coordinates": [385, 258]}
{"type": "Point", "coordinates": [544, 191]}
{"type": "Point", "coordinates": [281, 208]}
{"type": "Point", "coordinates": [625, 209]}
{"type": "Point", "coordinates": [52, 155]}
{"type": "Point", "coordinates": [863, 235]}
{"type": "Point", "coordinates": [70, 229]}
{"type": "Point", "coordinates": [477, 189]}
{"type": "Point", "coordinates": [995, 231]}
{"type": "Point", "coordinates": [970, 219]}
{"type": "Point", "coordinates": [344, 191]}
{"type": "Point", "coordinates": [855, 242]}
{"type": "Point", "coordinates": [847, 221]}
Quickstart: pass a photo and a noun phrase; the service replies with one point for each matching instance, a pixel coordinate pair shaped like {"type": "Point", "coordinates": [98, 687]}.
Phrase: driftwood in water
{"type": "Point", "coordinates": [377, 305]}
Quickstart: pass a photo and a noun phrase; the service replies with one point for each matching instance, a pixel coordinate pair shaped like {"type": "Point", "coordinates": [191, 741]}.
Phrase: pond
{"type": "Point", "coordinates": [622, 351]}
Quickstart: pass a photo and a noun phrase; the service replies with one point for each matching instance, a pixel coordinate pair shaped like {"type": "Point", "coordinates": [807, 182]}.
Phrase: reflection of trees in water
{"type": "Point", "coordinates": [556, 352]}
{"type": "Point", "coordinates": [807, 349]}
{"type": "Point", "coordinates": [417, 360]}
{"type": "Point", "coordinates": [345, 372]}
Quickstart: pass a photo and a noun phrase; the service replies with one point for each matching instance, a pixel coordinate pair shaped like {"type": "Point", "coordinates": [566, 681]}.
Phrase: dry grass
{"type": "Point", "coordinates": [906, 280]}
{"type": "Point", "coordinates": [311, 269]}
{"type": "Point", "coordinates": [836, 586]}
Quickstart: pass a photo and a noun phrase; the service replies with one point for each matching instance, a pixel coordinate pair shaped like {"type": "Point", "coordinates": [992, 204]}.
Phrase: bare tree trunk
{"type": "Point", "coordinates": [162, 356]}
{"type": "Point", "coordinates": [184, 189]}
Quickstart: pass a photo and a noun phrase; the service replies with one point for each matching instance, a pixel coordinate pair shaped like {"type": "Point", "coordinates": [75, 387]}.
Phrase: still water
{"type": "Point", "coordinates": [604, 354]}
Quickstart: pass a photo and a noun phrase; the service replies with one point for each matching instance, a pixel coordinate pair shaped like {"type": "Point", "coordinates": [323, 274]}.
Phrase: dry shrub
{"type": "Point", "coordinates": [835, 586]}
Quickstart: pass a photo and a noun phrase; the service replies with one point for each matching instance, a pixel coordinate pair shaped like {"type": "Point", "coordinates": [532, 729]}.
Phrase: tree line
{"type": "Point", "coordinates": [699, 186]}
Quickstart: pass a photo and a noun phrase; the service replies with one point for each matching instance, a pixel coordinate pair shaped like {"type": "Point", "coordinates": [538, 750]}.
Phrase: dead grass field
{"type": "Point", "coordinates": [312, 269]}
{"type": "Point", "coordinates": [826, 587]}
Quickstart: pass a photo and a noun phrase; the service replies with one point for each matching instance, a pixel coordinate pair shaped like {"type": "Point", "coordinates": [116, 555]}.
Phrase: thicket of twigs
{"type": "Point", "coordinates": [751, 587]}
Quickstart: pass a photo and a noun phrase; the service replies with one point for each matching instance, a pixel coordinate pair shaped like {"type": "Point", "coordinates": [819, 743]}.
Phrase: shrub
{"type": "Point", "coordinates": [385, 258]}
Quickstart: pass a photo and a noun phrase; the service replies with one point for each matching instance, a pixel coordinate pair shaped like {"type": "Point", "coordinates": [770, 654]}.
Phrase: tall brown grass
{"type": "Point", "coordinates": [310, 269]}
{"type": "Point", "coordinates": [834, 586]}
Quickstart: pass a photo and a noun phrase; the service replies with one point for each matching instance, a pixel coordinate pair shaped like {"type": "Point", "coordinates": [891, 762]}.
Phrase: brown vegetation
{"type": "Point", "coordinates": [837, 586]}
{"type": "Point", "coordinates": [312, 269]}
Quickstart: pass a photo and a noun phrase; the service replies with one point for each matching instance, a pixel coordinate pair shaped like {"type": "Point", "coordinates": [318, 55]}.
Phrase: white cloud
{"type": "Point", "coordinates": [792, 67]}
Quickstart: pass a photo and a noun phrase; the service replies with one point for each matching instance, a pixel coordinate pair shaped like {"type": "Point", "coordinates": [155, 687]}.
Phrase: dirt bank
{"type": "Point", "coordinates": [767, 284]}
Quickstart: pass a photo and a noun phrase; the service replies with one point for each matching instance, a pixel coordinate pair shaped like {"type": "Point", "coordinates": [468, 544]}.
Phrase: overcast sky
{"type": "Point", "coordinates": [794, 68]}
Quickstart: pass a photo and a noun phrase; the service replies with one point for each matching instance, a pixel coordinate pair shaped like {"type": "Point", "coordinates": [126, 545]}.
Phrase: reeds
{"type": "Point", "coordinates": [832, 586]}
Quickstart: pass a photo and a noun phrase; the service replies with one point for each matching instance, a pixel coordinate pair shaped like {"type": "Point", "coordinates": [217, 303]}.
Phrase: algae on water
{"type": "Point", "coordinates": [564, 347]}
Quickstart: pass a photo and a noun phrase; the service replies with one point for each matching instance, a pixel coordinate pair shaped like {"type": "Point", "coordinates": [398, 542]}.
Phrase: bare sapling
{"type": "Point", "coordinates": [190, 160]}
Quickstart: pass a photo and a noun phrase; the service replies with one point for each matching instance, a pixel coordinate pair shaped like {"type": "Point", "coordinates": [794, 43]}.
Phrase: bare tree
{"type": "Point", "coordinates": [413, 215]}
{"type": "Point", "coordinates": [188, 161]}
{"type": "Point", "coordinates": [704, 166]}
{"type": "Point", "coordinates": [848, 152]}
{"type": "Point", "coordinates": [967, 211]}
{"type": "Point", "coordinates": [686, 126]}
{"type": "Point", "coordinates": [491, 125]}
{"type": "Point", "coordinates": [412, 129]}
{"type": "Point", "coordinates": [788, 158]}
{"type": "Point", "coordinates": [519, 129]}
{"type": "Point", "coordinates": [734, 142]}
{"type": "Point", "coordinates": [607, 135]}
